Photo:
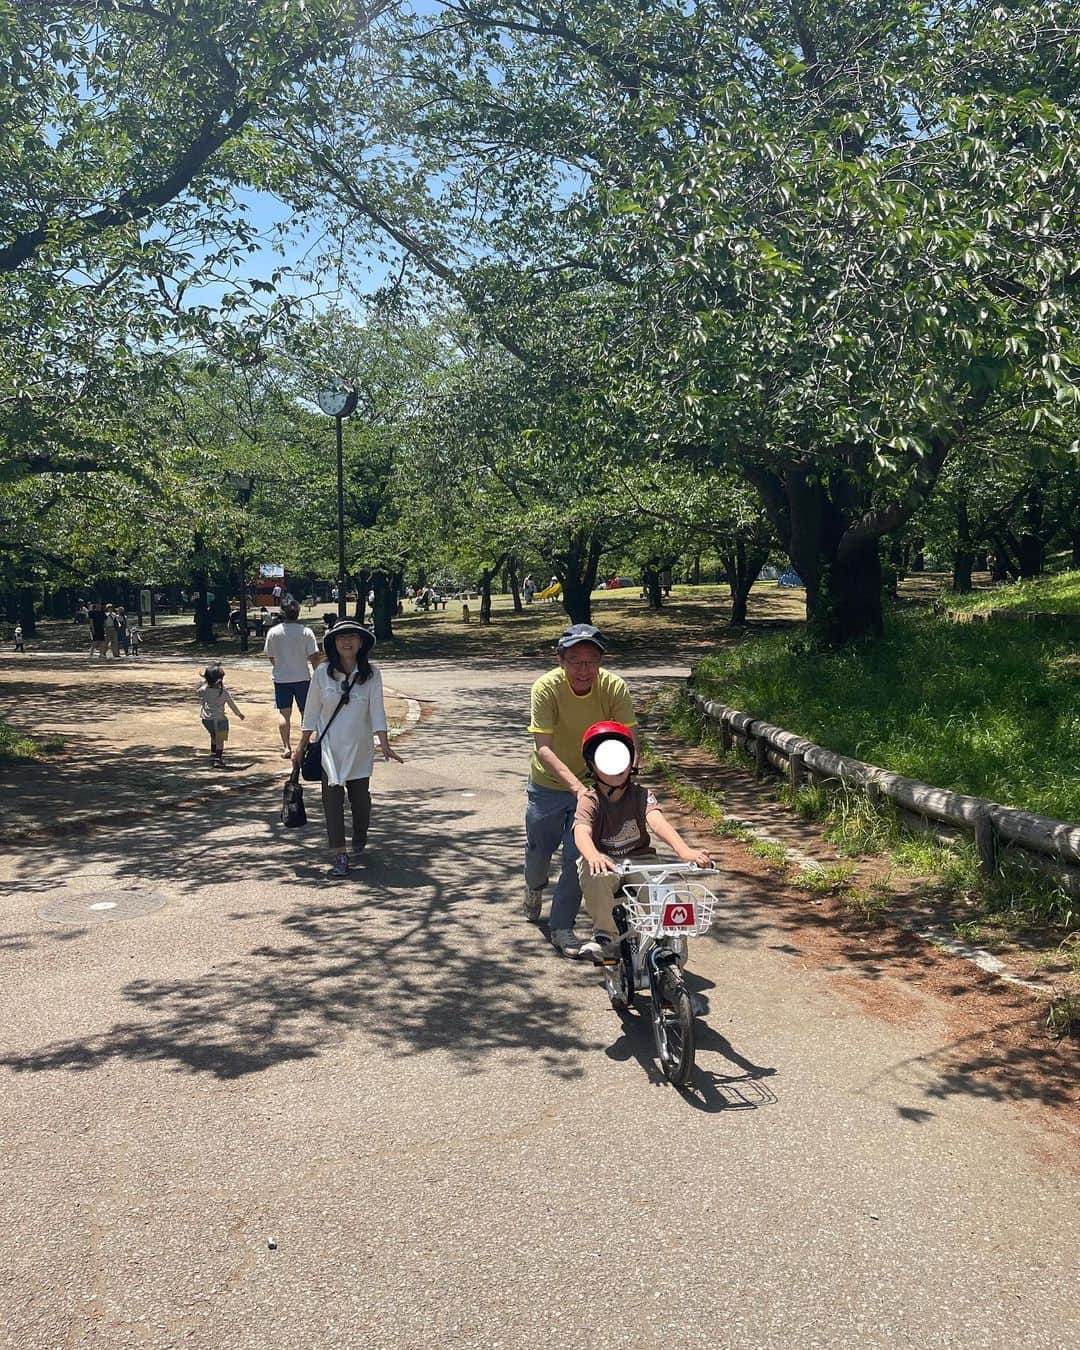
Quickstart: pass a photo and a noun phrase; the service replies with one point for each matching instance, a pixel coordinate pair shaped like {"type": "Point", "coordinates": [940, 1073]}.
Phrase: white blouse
{"type": "Point", "coordinates": [349, 748]}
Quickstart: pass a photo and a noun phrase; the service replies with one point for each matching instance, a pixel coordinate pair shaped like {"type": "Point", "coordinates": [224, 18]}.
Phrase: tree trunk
{"type": "Point", "coordinates": [1030, 555]}
{"type": "Point", "coordinates": [1031, 546]}
{"type": "Point", "coordinates": [219, 610]}
{"type": "Point", "coordinates": [382, 608]}
{"type": "Point", "coordinates": [515, 586]}
{"type": "Point", "coordinates": [962, 567]}
{"type": "Point", "coordinates": [580, 565]}
{"type": "Point", "coordinates": [742, 565]}
{"type": "Point", "coordinates": [363, 585]}
{"type": "Point", "coordinates": [963, 554]}
{"type": "Point", "coordinates": [650, 580]}
{"type": "Point", "coordinates": [26, 611]}
{"type": "Point", "coordinates": [845, 605]}
{"type": "Point", "coordinates": [695, 574]}
{"type": "Point", "coordinates": [204, 623]}
{"type": "Point", "coordinates": [485, 595]}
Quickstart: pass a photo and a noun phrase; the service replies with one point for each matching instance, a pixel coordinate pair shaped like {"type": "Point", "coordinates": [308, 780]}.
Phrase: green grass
{"type": "Point", "coordinates": [990, 712]}
{"type": "Point", "coordinates": [16, 747]}
{"type": "Point", "coordinates": [825, 879]}
{"type": "Point", "coordinates": [1059, 594]}
{"type": "Point", "coordinates": [775, 855]}
{"type": "Point", "coordinates": [1063, 1016]}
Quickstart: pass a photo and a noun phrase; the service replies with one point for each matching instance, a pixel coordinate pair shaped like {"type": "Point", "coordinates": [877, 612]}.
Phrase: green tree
{"type": "Point", "coordinates": [126, 130]}
{"type": "Point", "coordinates": [838, 236]}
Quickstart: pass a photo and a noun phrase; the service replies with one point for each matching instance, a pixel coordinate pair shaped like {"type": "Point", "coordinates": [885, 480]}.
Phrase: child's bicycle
{"type": "Point", "coordinates": [658, 916]}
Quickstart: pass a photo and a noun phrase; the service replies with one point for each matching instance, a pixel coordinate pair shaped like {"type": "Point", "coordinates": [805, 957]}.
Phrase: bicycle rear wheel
{"type": "Point", "coordinates": [673, 1027]}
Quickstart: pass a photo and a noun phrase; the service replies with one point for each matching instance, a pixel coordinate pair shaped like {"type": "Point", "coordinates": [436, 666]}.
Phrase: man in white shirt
{"type": "Point", "coordinates": [292, 649]}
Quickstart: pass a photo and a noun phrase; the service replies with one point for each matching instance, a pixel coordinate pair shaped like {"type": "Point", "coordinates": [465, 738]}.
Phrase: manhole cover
{"type": "Point", "coordinates": [101, 906]}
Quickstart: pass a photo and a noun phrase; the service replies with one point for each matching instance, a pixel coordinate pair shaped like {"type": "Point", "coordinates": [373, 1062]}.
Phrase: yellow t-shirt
{"type": "Point", "coordinates": [557, 710]}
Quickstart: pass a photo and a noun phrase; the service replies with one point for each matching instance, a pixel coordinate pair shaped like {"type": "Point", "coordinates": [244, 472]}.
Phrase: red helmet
{"type": "Point", "coordinates": [605, 731]}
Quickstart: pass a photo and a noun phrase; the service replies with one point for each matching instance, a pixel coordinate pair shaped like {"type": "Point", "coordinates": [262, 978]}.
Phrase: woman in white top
{"type": "Point", "coordinates": [348, 752]}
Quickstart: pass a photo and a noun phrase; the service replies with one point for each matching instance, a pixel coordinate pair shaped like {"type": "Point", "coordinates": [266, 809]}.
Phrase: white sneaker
{"type": "Point", "coordinates": [598, 949]}
{"type": "Point", "coordinates": [530, 905]}
{"type": "Point", "coordinates": [565, 941]}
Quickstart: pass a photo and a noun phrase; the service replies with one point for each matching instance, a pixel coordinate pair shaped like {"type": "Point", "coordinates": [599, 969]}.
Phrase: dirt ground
{"type": "Point", "coordinates": [129, 734]}
{"type": "Point", "coordinates": [998, 1030]}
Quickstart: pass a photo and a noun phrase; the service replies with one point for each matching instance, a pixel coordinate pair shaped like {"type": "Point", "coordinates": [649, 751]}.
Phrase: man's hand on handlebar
{"type": "Point", "coordinates": [600, 865]}
{"type": "Point", "coordinates": [698, 856]}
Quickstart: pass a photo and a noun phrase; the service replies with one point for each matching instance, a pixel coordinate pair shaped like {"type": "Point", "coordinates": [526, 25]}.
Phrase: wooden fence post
{"type": "Point", "coordinates": [761, 761]}
{"type": "Point", "coordinates": [796, 771]}
{"type": "Point", "coordinates": [986, 841]}
{"type": "Point", "coordinates": [726, 738]}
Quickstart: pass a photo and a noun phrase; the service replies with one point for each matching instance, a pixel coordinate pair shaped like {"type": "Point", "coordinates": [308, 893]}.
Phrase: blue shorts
{"type": "Point", "coordinates": [287, 690]}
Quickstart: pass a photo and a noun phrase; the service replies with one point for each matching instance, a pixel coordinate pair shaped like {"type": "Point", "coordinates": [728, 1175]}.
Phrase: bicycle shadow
{"type": "Point", "coordinates": [708, 1091]}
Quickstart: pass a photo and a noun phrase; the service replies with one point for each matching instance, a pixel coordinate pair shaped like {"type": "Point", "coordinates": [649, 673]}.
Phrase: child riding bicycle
{"type": "Point", "coordinates": [612, 825]}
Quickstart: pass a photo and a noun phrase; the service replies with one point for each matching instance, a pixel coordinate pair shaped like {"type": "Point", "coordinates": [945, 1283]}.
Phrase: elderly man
{"type": "Point", "coordinates": [291, 649]}
{"type": "Point", "coordinates": [565, 702]}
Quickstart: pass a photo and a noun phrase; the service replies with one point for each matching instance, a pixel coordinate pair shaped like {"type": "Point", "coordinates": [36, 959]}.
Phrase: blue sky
{"type": "Point", "coordinates": [290, 249]}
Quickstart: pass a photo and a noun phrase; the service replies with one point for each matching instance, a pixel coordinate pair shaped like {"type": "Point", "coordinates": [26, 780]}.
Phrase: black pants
{"type": "Point", "coordinates": [333, 800]}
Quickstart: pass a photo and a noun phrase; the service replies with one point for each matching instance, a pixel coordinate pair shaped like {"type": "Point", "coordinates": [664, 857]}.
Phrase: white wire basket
{"type": "Point", "coordinates": [669, 908]}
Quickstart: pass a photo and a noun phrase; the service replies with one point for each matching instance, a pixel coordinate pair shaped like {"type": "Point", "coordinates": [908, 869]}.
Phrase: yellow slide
{"type": "Point", "coordinates": [550, 592]}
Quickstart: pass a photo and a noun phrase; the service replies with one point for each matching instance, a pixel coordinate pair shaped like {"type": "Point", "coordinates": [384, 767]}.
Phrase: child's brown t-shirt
{"type": "Point", "coordinates": [617, 827]}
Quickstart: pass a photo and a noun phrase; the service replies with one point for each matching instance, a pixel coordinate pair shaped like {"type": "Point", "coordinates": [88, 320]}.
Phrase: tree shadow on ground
{"type": "Point", "coordinates": [401, 956]}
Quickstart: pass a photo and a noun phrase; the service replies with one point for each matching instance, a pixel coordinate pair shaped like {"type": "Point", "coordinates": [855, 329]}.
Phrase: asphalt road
{"type": "Point", "coordinates": [247, 1108]}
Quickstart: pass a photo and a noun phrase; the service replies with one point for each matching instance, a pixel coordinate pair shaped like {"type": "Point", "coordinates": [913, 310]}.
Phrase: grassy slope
{"type": "Point", "coordinates": [993, 712]}
{"type": "Point", "coordinates": [1058, 594]}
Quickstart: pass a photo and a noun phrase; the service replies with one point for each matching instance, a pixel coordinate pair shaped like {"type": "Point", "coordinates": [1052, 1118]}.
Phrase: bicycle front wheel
{"type": "Point", "coordinates": [673, 1027]}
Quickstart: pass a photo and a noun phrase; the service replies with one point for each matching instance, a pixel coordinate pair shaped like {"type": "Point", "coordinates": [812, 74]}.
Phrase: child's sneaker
{"type": "Point", "coordinates": [599, 949]}
{"type": "Point", "coordinates": [340, 866]}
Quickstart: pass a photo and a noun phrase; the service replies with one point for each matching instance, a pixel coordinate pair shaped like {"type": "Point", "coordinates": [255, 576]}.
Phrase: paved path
{"type": "Point", "coordinates": [131, 736]}
{"type": "Point", "coordinates": [276, 1112]}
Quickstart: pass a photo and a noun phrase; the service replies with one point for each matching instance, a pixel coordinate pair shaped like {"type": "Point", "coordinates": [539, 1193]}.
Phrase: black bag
{"type": "Point", "coordinates": [293, 813]}
{"type": "Point", "coordinates": [311, 764]}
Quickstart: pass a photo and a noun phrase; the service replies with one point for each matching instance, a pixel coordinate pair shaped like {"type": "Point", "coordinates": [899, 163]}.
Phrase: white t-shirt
{"type": "Point", "coordinates": [289, 645]}
{"type": "Point", "coordinates": [349, 748]}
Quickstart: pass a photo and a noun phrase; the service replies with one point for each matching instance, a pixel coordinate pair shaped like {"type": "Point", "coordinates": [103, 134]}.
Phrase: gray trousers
{"type": "Point", "coordinates": [549, 823]}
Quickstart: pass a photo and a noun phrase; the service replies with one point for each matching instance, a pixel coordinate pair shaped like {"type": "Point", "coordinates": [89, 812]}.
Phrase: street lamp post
{"type": "Point", "coordinates": [338, 400]}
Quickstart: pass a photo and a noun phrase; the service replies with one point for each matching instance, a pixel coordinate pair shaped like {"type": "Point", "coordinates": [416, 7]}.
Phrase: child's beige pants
{"type": "Point", "coordinates": [601, 894]}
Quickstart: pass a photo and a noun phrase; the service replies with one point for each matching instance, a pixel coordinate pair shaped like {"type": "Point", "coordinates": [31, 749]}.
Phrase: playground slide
{"type": "Point", "coordinates": [550, 592]}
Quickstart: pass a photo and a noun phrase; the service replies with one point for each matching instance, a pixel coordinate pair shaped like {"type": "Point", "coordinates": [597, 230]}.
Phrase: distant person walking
{"type": "Point", "coordinates": [215, 699]}
{"type": "Point", "coordinates": [112, 632]}
{"type": "Point", "coordinates": [134, 635]}
{"type": "Point", "coordinates": [347, 689]}
{"type": "Point", "coordinates": [290, 647]}
{"type": "Point", "coordinates": [97, 629]}
{"type": "Point", "coordinates": [18, 635]}
{"type": "Point", "coordinates": [122, 631]}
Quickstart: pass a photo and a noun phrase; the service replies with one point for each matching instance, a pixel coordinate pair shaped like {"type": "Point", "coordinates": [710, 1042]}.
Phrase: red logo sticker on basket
{"type": "Point", "coordinates": [679, 915]}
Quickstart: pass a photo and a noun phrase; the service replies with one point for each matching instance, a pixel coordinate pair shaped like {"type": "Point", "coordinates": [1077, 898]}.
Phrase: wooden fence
{"type": "Point", "coordinates": [1052, 846]}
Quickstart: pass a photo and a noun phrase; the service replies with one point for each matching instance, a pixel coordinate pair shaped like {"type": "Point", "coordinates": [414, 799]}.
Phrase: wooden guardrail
{"type": "Point", "coordinates": [1063, 619]}
{"type": "Point", "coordinates": [1052, 846]}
